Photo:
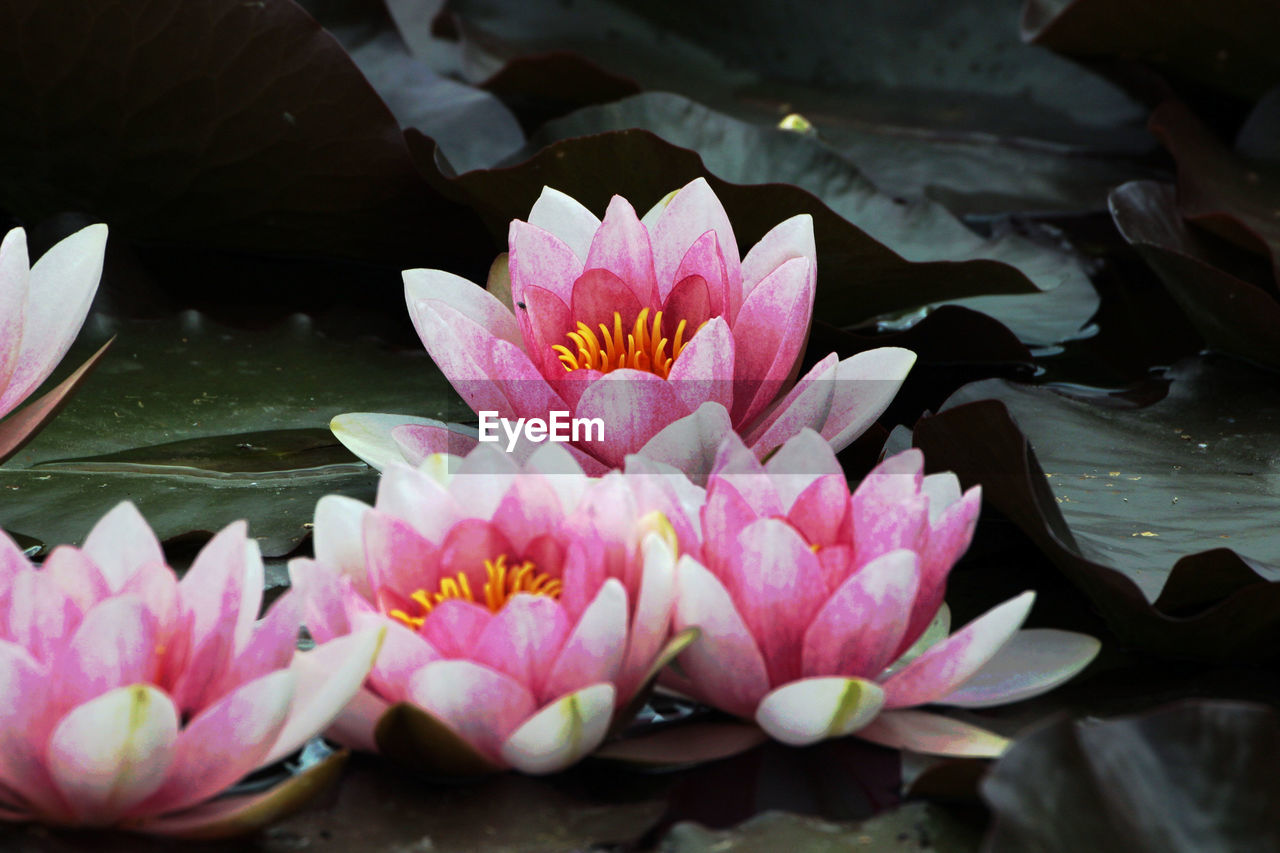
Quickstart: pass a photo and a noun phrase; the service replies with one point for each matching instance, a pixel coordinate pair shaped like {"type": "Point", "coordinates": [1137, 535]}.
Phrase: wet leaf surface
{"type": "Point", "coordinates": [1193, 776]}
{"type": "Point", "coordinates": [1159, 513]}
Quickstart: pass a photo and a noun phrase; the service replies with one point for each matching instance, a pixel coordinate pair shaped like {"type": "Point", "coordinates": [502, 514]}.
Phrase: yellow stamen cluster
{"type": "Point", "coordinates": [503, 582]}
{"type": "Point", "coordinates": [644, 348]}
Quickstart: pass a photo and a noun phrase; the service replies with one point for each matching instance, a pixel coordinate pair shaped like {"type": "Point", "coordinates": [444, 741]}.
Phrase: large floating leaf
{"type": "Point", "coordinates": [939, 98]}
{"type": "Point", "coordinates": [201, 425]}
{"type": "Point", "coordinates": [230, 125]}
{"type": "Point", "coordinates": [1163, 515]}
{"type": "Point", "coordinates": [1231, 48]}
{"type": "Point", "coordinates": [1190, 777]}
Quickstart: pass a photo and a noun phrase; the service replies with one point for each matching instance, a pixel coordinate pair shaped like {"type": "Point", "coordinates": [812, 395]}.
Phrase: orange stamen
{"type": "Point", "coordinates": [503, 583]}
{"type": "Point", "coordinates": [644, 348]}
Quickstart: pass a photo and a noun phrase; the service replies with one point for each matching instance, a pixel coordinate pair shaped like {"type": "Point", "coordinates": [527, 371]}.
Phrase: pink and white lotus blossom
{"type": "Point", "coordinates": [658, 327]}
{"type": "Point", "coordinates": [132, 699]}
{"type": "Point", "coordinates": [41, 310]}
{"type": "Point", "coordinates": [521, 622]}
{"type": "Point", "coordinates": [819, 610]}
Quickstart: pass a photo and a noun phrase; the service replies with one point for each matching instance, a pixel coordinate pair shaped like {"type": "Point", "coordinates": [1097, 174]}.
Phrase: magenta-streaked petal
{"type": "Point", "coordinates": [593, 651]}
{"type": "Point", "coordinates": [403, 653]}
{"type": "Point", "coordinates": [651, 620]}
{"type": "Point", "coordinates": [115, 645]}
{"type": "Point", "coordinates": [538, 258]}
{"type": "Point", "coordinates": [336, 538]}
{"type": "Point", "coordinates": [944, 667]}
{"type": "Point", "coordinates": [805, 406]}
{"type": "Point", "coordinates": [370, 435]}
{"type": "Point", "coordinates": [60, 289]}
{"type": "Point", "coordinates": [812, 709]}
{"type": "Point", "coordinates": [417, 442]}
{"type": "Point", "coordinates": [634, 405]}
{"type": "Point", "coordinates": [463, 350]}
{"type": "Point", "coordinates": [948, 538]}
{"type": "Point", "coordinates": [778, 587]}
{"type": "Point", "coordinates": [466, 547]}
{"type": "Point", "coordinates": [790, 238]}
{"type": "Point", "coordinates": [120, 543]}
{"type": "Point", "coordinates": [324, 594]}
{"type": "Point", "coordinates": [933, 734]}
{"type": "Point", "coordinates": [398, 562]}
{"type": "Point", "coordinates": [470, 300]}
{"type": "Point", "coordinates": [224, 584]}
{"type": "Point", "coordinates": [858, 630]}
{"type": "Point", "coordinates": [112, 752]}
{"type": "Point", "coordinates": [566, 218]}
{"type": "Point", "coordinates": [704, 370]}
{"type": "Point", "coordinates": [327, 677]}
{"type": "Point", "coordinates": [724, 665]}
{"type": "Point", "coordinates": [820, 512]}
{"type": "Point", "coordinates": [704, 262]}
{"type": "Point", "coordinates": [15, 269]}
{"type": "Point", "coordinates": [621, 245]}
{"type": "Point", "coordinates": [689, 444]}
{"type": "Point", "coordinates": [693, 211]}
{"type": "Point", "coordinates": [563, 732]}
{"type": "Point", "coordinates": [272, 643]}
{"type": "Point", "coordinates": [77, 576]}
{"type": "Point", "coordinates": [526, 392]}
{"type": "Point", "coordinates": [865, 385]}
{"type": "Point", "coordinates": [523, 639]}
{"type": "Point", "coordinates": [481, 705]}
{"type": "Point", "coordinates": [725, 514]}
{"type": "Point", "coordinates": [769, 335]}
{"type": "Point", "coordinates": [224, 742]}
{"type": "Point", "coordinates": [529, 509]}
{"type": "Point", "coordinates": [24, 727]}
{"type": "Point", "coordinates": [550, 320]}
{"type": "Point", "coordinates": [38, 615]}
{"type": "Point", "coordinates": [1034, 661]}
{"type": "Point", "coordinates": [888, 510]}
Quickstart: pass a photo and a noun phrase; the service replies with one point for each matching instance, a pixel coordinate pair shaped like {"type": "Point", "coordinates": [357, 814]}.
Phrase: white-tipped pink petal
{"type": "Point", "coordinates": [336, 538]}
{"type": "Point", "coordinates": [328, 677]}
{"type": "Point", "coordinates": [566, 218]}
{"type": "Point", "coordinates": [419, 441]}
{"type": "Point", "coordinates": [468, 299]}
{"type": "Point", "coordinates": [691, 212]}
{"type": "Point", "coordinates": [60, 286]}
{"type": "Point", "coordinates": [563, 732]}
{"type": "Point", "coordinates": [724, 662]}
{"type": "Point", "coordinates": [1032, 662]}
{"type": "Point", "coordinates": [621, 246]}
{"type": "Point", "coordinates": [481, 705]}
{"type": "Point", "coordinates": [594, 649]}
{"type": "Point", "coordinates": [15, 268]}
{"type": "Point", "coordinates": [813, 709]}
{"type": "Point", "coordinates": [769, 334]}
{"type": "Point", "coordinates": [805, 406]}
{"type": "Point", "coordinates": [865, 385]}
{"type": "Point", "coordinates": [538, 258]}
{"type": "Point", "coordinates": [704, 370]}
{"type": "Point", "coordinates": [635, 406]}
{"type": "Point", "coordinates": [369, 435]}
{"type": "Point", "coordinates": [112, 752]}
{"type": "Point", "coordinates": [121, 543]}
{"type": "Point", "coordinates": [790, 238]}
{"type": "Point", "coordinates": [650, 625]}
{"type": "Point", "coordinates": [689, 444]}
{"type": "Point", "coordinates": [954, 661]}
{"type": "Point", "coordinates": [933, 734]}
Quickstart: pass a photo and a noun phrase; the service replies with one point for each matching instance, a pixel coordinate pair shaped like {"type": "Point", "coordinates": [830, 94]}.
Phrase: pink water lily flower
{"type": "Point", "coordinates": [41, 309]}
{"type": "Point", "coordinates": [521, 621]}
{"type": "Point", "coordinates": [132, 699]}
{"type": "Point", "coordinates": [656, 327]}
{"type": "Point", "coordinates": [821, 611]}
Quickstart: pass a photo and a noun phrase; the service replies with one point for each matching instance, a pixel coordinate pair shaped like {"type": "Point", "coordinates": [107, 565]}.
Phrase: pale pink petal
{"type": "Point", "coordinates": [769, 335]}
{"type": "Point", "coordinates": [952, 662]}
{"type": "Point", "coordinates": [415, 496]}
{"type": "Point", "coordinates": [933, 734]}
{"type": "Point", "coordinates": [593, 651]}
{"type": "Point", "coordinates": [271, 645]}
{"type": "Point", "coordinates": [481, 705]}
{"type": "Point", "coordinates": [371, 435]}
{"type": "Point", "coordinates": [634, 405]}
{"type": "Point", "coordinates": [724, 665]}
{"type": "Point", "coordinates": [416, 442]}
{"type": "Point", "coordinates": [336, 538]}
{"type": "Point", "coordinates": [77, 576]}
{"type": "Point", "coordinates": [943, 490]}
{"type": "Point", "coordinates": [858, 630]}
{"type": "Point", "coordinates": [122, 542]}
{"type": "Point", "coordinates": [704, 262]}
{"type": "Point", "coordinates": [812, 709]}
{"type": "Point", "coordinates": [621, 245]}
{"type": "Point", "coordinates": [24, 726]}
{"type": "Point", "coordinates": [523, 638]}
{"type": "Point", "coordinates": [112, 752]}
{"type": "Point", "coordinates": [403, 653]}
{"type": "Point", "coordinates": [692, 212]}
{"type": "Point", "coordinates": [223, 587]}
{"type": "Point", "coordinates": [454, 627]}
{"type": "Point", "coordinates": [791, 238]}
{"type": "Point", "coordinates": [778, 587]}
{"type": "Point", "coordinates": [689, 443]}
{"type": "Point", "coordinates": [651, 621]}
{"type": "Point", "coordinates": [805, 406]}
{"type": "Point", "coordinates": [324, 593]}
{"type": "Point", "coordinates": [804, 458]}
{"type": "Point", "coordinates": [398, 562]}
{"type": "Point", "coordinates": [948, 538]}
{"type": "Point", "coordinates": [540, 259]}
{"type": "Point", "coordinates": [60, 290]}
{"type": "Point", "coordinates": [113, 646]}
{"type": "Point", "coordinates": [357, 725]}
{"type": "Point", "coordinates": [566, 218]}
{"type": "Point", "coordinates": [704, 370]}
{"type": "Point", "coordinates": [224, 742]}
{"type": "Point", "coordinates": [888, 510]}
{"type": "Point", "coordinates": [1034, 661]}
{"type": "Point", "coordinates": [865, 385]}
{"type": "Point", "coordinates": [328, 677]}
{"type": "Point", "coordinates": [470, 300]}
{"type": "Point", "coordinates": [38, 615]}
{"type": "Point", "coordinates": [14, 273]}
{"type": "Point", "coordinates": [563, 732]}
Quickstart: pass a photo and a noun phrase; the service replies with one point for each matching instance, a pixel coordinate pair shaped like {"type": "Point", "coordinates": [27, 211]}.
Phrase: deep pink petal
{"type": "Point", "coordinates": [597, 295]}
{"type": "Point", "coordinates": [948, 538]}
{"type": "Point", "coordinates": [703, 261]}
{"type": "Point", "coordinates": [621, 245]}
{"type": "Point", "coordinates": [805, 406]}
{"type": "Point", "coordinates": [769, 335]}
{"type": "Point", "coordinates": [634, 405]}
{"type": "Point", "coordinates": [689, 301]}
{"type": "Point", "coordinates": [704, 370]}
{"type": "Point", "coordinates": [398, 562]}
{"type": "Point", "coordinates": [888, 510]}
{"type": "Point", "coordinates": [454, 627]}
{"type": "Point", "coordinates": [550, 320]}
{"type": "Point", "coordinates": [415, 442]}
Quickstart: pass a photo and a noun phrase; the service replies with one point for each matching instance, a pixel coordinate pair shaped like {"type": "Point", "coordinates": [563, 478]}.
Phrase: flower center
{"type": "Point", "coordinates": [502, 583]}
{"type": "Point", "coordinates": [644, 348]}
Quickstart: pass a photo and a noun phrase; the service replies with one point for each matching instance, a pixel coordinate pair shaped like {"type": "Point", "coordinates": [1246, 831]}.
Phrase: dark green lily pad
{"type": "Point", "coordinates": [238, 126]}
{"type": "Point", "coordinates": [201, 425]}
{"type": "Point", "coordinates": [1189, 777]}
{"type": "Point", "coordinates": [913, 827]}
{"type": "Point", "coordinates": [1125, 500]}
{"type": "Point", "coordinates": [935, 99]}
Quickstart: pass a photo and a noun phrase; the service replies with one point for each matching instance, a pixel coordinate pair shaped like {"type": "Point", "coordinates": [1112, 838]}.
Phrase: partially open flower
{"type": "Point", "coordinates": [821, 611]}
{"type": "Point", "coordinates": [521, 622]}
{"type": "Point", "coordinates": [133, 699]}
{"type": "Point", "coordinates": [655, 327]}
